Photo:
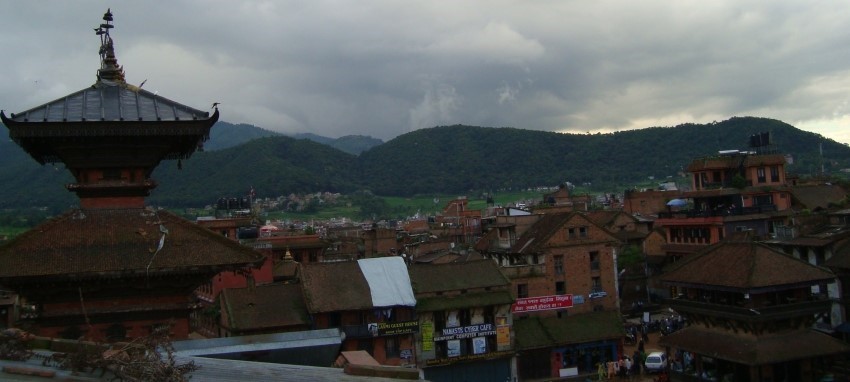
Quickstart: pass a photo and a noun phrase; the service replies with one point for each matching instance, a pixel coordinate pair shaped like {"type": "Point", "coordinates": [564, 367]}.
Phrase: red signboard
{"type": "Point", "coordinates": [531, 304]}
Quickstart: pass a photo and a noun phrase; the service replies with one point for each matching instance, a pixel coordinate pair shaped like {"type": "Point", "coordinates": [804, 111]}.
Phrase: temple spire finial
{"type": "Point", "coordinates": [109, 68]}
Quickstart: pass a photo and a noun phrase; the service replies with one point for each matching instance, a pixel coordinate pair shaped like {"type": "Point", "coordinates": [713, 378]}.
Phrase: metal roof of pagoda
{"type": "Point", "coordinates": [110, 101]}
{"type": "Point", "coordinates": [111, 98]}
{"type": "Point", "coordinates": [111, 110]}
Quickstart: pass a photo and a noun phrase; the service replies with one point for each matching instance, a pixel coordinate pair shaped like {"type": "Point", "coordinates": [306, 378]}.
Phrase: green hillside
{"type": "Point", "coordinates": [448, 160]}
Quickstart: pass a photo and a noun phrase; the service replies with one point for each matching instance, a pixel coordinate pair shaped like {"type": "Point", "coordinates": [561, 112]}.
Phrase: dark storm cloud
{"type": "Point", "coordinates": [384, 68]}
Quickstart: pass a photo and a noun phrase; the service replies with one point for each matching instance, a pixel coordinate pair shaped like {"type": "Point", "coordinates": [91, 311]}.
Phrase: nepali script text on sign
{"type": "Point", "coordinates": [531, 304]}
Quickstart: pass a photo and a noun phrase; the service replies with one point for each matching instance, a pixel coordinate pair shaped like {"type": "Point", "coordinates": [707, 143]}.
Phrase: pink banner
{"type": "Point", "coordinates": [531, 304]}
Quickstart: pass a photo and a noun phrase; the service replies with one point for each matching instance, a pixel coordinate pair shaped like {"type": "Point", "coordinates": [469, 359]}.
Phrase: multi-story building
{"type": "Point", "coordinates": [730, 192]}
{"type": "Point", "coordinates": [563, 271]}
{"type": "Point", "coordinates": [370, 300]}
{"type": "Point", "coordinates": [750, 310]}
{"type": "Point", "coordinates": [458, 222]}
{"type": "Point", "coordinates": [465, 321]}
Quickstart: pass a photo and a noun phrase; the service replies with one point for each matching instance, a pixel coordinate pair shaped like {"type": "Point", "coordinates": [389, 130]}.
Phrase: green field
{"type": "Point", "coordinates": [393, 208]}
{"type": "Point", "coordinates": [401, 207]}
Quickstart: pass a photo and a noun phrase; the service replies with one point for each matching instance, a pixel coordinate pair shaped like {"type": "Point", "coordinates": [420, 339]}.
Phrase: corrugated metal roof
{"type": "Point", "coordinates": [260, 342]}
{"type": "Point", "coordinates": [110, 101]}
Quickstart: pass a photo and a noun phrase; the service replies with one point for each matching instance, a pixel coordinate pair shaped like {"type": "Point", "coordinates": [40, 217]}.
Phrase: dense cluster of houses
{"type": "Point", "coordinates": [752, 258]}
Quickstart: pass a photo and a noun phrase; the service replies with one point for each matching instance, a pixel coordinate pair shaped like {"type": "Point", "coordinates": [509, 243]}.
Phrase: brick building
{"type": "Point", "coordinates": [562, 256]}
{"type": "Point", "coordinates": [370, 300]}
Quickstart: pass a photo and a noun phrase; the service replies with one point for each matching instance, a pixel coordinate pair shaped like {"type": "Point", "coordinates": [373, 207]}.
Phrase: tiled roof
{"type": "Point", "coordinates": [536, 332]}
{"type": "Point", "coordinates": [330, 287]}
{"type": "Point", "coordinates": [840, 257]}
{"type": "Point", "coordinates": [428, 278]}
{"type": "Point", "coordinates": [117, 242]}
{"type": "Point", "coordinates": [539, 232]}
{"type": "Point", "coordinates": [285, 269]}
{"type": "Point", "coordinates": [483, 244]}
{"type": "Point", "coordinates": [818, 196]}
{"type": "Point", "coordinates": [602, 217]}
{"type": "Point", "coordinates": [463, 301]}
{"type": "Point", "coordinates": [538, 235]}
{"type": "Point", "coordinates": [265, 306]}
{"type": "Point", "coordinates": [744, 266]}
{"type": "Point", "coordinates": [761, 350]}
{"type": "Point", "coordinates": [448, 256]}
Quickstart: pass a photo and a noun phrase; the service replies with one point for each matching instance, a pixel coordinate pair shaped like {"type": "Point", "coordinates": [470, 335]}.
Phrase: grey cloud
{"type": "Point", "coordinates": [384, 68]}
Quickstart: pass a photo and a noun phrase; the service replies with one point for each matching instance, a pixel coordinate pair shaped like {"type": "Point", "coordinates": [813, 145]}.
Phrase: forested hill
{"type": "Point", "coordinates": [225, 135]}
{"type": "Point", "coordinates": [459, 158]}
{"type": "Point", "coordinates": [456, 160]}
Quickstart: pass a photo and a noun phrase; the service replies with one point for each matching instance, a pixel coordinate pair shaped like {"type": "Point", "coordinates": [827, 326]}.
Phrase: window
{"type": "Point", "coordinates": [774, 174]}
{"type": "Point", "coordinates": [558, 261]}
{"type": "Point", "coordinates": [439, 320]}
{"type": "Point", "coordinates": [391, 347]}
{"type": "Point", "coordinates": [560, 287]}
{"type": "Point", "coordinates": [572, 233]}
{"type": "Point", "coordinates": [582, 231]}
{"type": "Point", "coordinates": [594, 260]}
{"type": "Point", "coordinates": [596, 284]}
{"type": "Point", "coordinates": [522, 290]}
{"type": "Point", "coordinates": [760, 175]}
{"type": "Point", "coordinates": [763, 200]}
{"type": "Point", "coordinates": [334, 319]}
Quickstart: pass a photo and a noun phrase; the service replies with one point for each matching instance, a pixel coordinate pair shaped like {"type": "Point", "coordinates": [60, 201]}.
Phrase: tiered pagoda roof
{"type": "Point", "coordinates": [118, 243]}
{"type": "Point", "coordinates": [111, 136]}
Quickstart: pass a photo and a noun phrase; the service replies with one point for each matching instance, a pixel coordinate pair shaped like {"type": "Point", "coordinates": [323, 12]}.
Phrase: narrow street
{"type": "Point", "coordinates": [649, 348]}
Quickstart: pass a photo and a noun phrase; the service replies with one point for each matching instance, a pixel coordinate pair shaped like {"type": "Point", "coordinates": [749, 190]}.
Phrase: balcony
{"type": "Point", "coordinates": [522, 271]}
{"type": "Point", "coordinates": [502, 243]}
{"type": "Point", "coordinates": [737, 211]}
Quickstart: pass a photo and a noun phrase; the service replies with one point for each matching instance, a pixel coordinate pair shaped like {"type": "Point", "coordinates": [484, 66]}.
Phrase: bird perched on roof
{"type": "Point", "coordinates": [215, 105]}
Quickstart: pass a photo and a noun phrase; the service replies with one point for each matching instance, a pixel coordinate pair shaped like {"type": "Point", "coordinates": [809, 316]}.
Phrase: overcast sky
{"type": "Point", "coordinates": [385, 68]}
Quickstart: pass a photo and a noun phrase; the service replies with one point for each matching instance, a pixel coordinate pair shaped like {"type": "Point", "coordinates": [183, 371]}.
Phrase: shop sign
{"type": "Point", "coordinates": [533, 304]}
{"type": "Point", "coordinates": [393, 328]}
{"type": "Point", "coordinates": [503, 335]}
{"type": "Point", "coordinates": [427, 336]}
{"type": "Point", "coordinates": [468, 358]}
{"type": "Point", "coordinates": [461, 332]}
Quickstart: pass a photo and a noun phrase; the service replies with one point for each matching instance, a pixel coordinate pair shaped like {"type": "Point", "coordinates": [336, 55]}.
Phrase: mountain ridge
{"type": "Point", "coordinates": [443, 160]}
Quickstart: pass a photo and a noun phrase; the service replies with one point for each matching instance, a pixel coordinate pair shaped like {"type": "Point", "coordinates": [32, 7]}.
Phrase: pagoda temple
{"type": "Point", "coordinates": [113, 268]}
{"type": "Point", "coordinates": [752, 314]}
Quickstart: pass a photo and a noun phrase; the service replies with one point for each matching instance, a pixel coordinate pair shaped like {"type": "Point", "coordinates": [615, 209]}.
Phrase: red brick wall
{"type": "Point", "coordinates": [577, 273]}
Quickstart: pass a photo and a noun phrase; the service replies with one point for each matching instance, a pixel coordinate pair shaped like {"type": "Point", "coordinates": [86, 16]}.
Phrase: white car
{"type": "Point", "coordinates": [656, 361]}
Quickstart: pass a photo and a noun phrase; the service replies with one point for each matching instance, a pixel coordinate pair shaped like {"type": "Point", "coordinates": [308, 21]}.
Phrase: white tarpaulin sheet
{"type": "Point", "coordinates": [388, 281]}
